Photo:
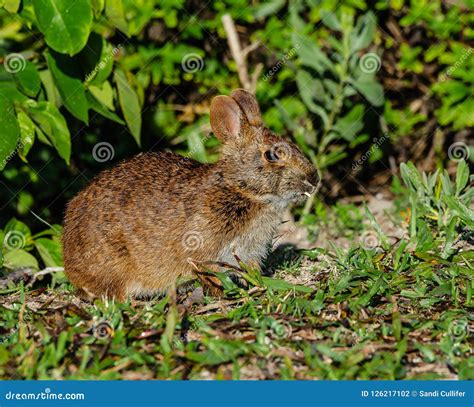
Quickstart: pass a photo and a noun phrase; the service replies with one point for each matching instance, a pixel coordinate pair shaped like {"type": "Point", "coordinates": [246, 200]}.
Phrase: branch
{"type": "Point", "coordinates": [240, 55]}
{"type": "Point", "coordinates": [46, 271]}
{"type": "Point", "coordinates": [25, 274]}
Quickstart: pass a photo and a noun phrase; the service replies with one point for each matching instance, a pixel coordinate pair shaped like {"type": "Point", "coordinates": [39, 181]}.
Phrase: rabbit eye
{"type": "Point", "coordinates": [271, 156]}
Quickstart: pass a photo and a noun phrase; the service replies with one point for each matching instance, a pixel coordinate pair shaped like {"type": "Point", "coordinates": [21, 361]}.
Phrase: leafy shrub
{"type": "Point", "coordinates": [140, 75]}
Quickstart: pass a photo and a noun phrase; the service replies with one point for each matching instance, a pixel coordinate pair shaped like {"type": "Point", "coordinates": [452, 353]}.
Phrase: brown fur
{"type": "Point", "coordinates": [134, 229]}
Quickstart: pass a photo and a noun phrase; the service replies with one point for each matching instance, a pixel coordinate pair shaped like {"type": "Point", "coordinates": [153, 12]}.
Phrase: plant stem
{"type": "Point", "coordinates": [336, 110]}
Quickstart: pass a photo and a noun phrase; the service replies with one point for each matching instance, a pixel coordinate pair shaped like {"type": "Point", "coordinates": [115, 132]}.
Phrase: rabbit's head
{"type": "Point", "coordinates": [254, 160]}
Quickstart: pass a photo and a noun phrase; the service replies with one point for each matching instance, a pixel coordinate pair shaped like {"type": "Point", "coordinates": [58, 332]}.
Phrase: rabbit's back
{"type": "Point", "coordinates": [115, 226]}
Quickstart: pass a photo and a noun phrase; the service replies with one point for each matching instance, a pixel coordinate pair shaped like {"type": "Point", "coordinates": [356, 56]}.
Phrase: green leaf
{"type": "Point", "coordinates": [380, 233]}
{"type": "Point", "coordinates": [462, 176]}
{"type": "Point", "coordinates": [97, 106]}
{"type": "Point", "coordinates": [466, 214]}
{"type": "Point", "coordinates": [20, 234]}
{"type": "Point", "coordinates": [363, 33]}
{"type": "Point", "coordinates": [195, 143]}
{"type": "Point", "coordinates": [52, 93]}
{"type": "Point", "coordinates": [10, 130]}
{"type": "Point", "coordinates": [97, 59]}
{"type": "Point", "coordinates": [449, 239]}
{"type": "Point", "coordinates": [350, 125]}
{"type": "Point", "coordinates": [28, 79]}
{"type": "Point", "coordinates": [268, 8]}
{"type": "Point", "coordinates": [42, 137]}
{"type": "Point", "coordinates": [307, 89]}
{"type": "Point", "coordinates": [19, 258]}
{"type": "Point", "coordinates": [310, 54]}
{"type": "Point", "coordinates": [396, 325]}
{"type": "Point", "coordinates": [25, 203]}
{"type": "Point", "coordinates": [115, 14]}
{"type": "Point", "coordinates": [411, 176]}
{"type": "Point", "coordinates": [413, 217]}
{"type": "Point", "coordinates": [16, 236]}
{"type": "Point", "coordinates": [53, 124]}
{"type": "Point", "coordinates": [294, 9]}
{"type": "Point", "coordinates": [104, 94]}
{"type": "Point", "coordinates": [27, 134]}
{"type": "Point", "coordinates": [330, 20]}
{"type": "Point", "coordinates": [282, 285]}
{"type": "Point", "coordinates": [364, 299]}
{"type": "Point", "coordinates": [11, 6]}
{"type": "Point", "coordinates": [9, 90]}
{"type": "Point", "coordinates": [372, 91]}
{"type": "Point", "coordinates": [50, 252]}
{"type": "Point", "coordinates": [67, 77]}
{"type": "Point", "coordinates": [65, 24]}
{"type": "Point", "coordinates": [129, 103]}
{"type": "Point", "coordinates": [336, 154]}
{"type": "Point", "coordinates": [98, 7]}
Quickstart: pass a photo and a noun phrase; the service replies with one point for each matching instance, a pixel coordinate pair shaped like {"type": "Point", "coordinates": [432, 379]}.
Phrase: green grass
{"type": "Point", "coordinates": [384, 308]}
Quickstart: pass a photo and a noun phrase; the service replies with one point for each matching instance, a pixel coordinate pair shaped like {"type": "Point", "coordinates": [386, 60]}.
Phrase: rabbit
{"type": "Point", "coordinates": [139, 226]}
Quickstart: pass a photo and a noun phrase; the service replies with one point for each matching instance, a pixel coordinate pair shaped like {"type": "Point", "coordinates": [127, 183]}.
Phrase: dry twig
{"type": "Point", "coordinates": [240, 55]}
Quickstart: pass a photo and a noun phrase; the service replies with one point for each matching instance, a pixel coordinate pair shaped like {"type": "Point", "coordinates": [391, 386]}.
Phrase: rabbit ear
{"type": "Point", "coordinates": [225, 117]}
{"type": "Point", "coordinates": [249, 105]}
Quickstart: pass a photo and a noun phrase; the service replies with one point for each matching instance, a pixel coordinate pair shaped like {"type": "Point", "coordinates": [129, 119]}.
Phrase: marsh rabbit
{"type": "Point", "coordinates": [135, 229]}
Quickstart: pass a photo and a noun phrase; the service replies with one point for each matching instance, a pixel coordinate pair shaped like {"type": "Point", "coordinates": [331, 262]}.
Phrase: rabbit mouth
{"type": "Point", "coordinates": [302, 196]}
{"type": "Point", "coordinates": [310, 189]}
{"type": "Point", "coordinates": [293, 195]}
{"type": "Point", "coordinates": [306, 191]}
{"type": "Point", "coordinates": [298, 196]}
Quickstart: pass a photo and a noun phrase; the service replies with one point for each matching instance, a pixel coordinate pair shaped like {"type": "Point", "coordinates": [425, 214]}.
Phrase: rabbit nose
{"type": "Point", "coordinates": [313, 179]}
